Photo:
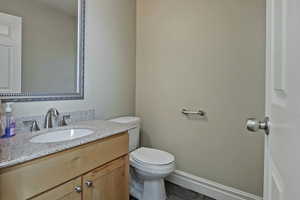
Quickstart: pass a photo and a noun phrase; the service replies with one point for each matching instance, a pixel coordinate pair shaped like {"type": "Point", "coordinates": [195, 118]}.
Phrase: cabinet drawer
{"type": "Point", "coordinates": [63, 192]}
{"type": "Point", "coordinates": [29, 179]}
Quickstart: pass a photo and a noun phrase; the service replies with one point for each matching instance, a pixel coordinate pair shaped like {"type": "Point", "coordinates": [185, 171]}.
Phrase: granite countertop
{"type": "Point", "coordinates": [19, 149]}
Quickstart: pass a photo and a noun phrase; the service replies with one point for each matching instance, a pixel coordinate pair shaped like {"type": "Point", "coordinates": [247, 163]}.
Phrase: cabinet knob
{"type": "Point", "coordinates": [78, 189]}
{"type": "Point", "coordinates": [89, 183]}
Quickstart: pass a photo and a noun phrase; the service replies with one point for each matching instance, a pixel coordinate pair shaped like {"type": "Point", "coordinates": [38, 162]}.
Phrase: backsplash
{"type": "Point", "coordinates": [76, 116]}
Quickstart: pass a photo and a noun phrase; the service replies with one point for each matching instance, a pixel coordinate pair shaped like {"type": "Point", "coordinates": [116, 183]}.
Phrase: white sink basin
{"type": "Point", "coordinates": [61, 135]}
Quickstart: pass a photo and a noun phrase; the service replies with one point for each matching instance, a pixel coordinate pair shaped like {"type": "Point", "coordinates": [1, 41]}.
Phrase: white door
{"type": "Point", "coordinates": [282, 148]}
{"type": "Point", "coordinates": [10, 53]}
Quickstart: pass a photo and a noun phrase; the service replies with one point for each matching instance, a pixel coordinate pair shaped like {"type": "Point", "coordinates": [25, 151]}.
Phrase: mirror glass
{"type": "Point", "coordinates": [41, 49]}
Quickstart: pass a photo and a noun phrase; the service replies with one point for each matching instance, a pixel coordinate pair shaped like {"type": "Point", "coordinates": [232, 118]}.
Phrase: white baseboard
{"type": "Point", "coordinates": [209, 188]}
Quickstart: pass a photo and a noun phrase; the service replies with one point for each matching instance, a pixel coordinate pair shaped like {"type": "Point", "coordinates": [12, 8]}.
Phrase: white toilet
{"type": "Point", "coordinates": [149, 166]}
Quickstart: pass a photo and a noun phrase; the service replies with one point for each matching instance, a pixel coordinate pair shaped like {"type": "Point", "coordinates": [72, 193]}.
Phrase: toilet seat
{"type": "Point", "coordinates": [149, 156]}
{"type": "Point", "coordinates": [153, 161]}
{"type": "Point", "coordinates": [155, 170]}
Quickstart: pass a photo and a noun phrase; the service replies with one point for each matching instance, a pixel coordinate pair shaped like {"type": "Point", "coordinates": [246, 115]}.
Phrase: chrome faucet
{"type": "Point", "coordinates": [50, 116]}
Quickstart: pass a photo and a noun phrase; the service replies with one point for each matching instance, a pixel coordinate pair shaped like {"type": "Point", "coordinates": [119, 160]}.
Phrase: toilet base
{"type": "Point", "coordinates": [149, 190]}
{"type": "Point", "coordinates": [154, 189]}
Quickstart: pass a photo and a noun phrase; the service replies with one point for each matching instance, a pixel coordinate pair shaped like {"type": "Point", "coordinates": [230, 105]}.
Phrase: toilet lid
{"type": "Point", "coordinates": [152, 156]}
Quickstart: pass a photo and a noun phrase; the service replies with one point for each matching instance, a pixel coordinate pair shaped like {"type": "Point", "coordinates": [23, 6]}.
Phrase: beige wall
{"type": "Point", "coordinates": [48, 46]}
{"type": "Point", "coordinates": [110, 63]}
{"type": "Point", "coordinates": [206, 54]}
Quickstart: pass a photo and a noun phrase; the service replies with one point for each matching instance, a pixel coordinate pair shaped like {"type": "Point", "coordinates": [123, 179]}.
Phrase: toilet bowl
{"type": "Point", "coordinates": [148, 167]}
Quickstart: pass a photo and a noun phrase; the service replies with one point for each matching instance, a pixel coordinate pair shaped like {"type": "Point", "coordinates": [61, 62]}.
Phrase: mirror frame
{"type": "Point", "coordinates": [79, 94]}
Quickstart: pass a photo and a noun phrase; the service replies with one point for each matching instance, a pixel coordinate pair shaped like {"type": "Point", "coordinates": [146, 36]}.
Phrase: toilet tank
{"type": "Point", "coordinates": [134, 134]}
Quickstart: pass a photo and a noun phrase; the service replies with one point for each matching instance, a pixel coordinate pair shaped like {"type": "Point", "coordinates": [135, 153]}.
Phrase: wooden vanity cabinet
{"type": "Point", "coordinates": [95, 171]}
{"type": "Point", "coordinates": [108, 182]}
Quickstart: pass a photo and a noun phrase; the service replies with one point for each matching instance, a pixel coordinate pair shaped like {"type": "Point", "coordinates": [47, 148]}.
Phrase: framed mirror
{"type": "Point", "coordinates": [41, 50]}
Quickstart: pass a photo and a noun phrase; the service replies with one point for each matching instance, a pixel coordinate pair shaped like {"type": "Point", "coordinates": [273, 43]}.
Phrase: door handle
{"type": "Point", "coordinates": [255, 125]}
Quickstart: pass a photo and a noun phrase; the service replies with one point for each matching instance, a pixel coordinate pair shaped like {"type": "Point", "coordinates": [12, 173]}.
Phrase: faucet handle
{"type": "Point", "coordinates": [66, 120]}
{"type": "Point", "coordinates": [34, 126]}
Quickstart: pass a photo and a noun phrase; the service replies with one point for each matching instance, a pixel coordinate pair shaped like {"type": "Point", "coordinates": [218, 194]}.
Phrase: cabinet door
{"type": "Point", "coordinates": [68, 191]}
{"type": "Point", "coordinates": [109, 182]}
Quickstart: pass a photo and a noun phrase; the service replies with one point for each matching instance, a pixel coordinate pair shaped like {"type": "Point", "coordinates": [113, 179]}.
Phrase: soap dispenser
{"type": "Point", "coordinates": [10, 124]}
{"type": "Point", "coordinates": [2, 121]}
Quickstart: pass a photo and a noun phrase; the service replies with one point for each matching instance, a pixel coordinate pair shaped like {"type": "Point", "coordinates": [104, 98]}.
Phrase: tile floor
{"type": "Point", "coordinates": [175, 192]}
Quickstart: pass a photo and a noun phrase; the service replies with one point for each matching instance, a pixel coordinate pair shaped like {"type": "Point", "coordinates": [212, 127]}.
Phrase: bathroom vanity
{"type": "Point", "coordinates": [88, 168]}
